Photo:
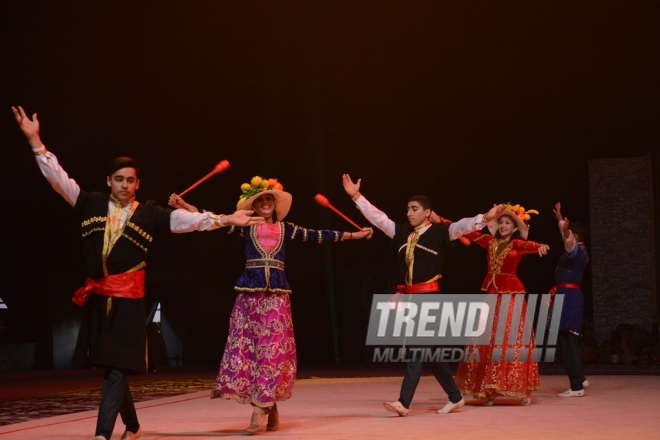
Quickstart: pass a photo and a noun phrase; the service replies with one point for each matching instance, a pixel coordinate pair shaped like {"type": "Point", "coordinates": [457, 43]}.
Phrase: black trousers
{"type": "Point", "coordinates": [116, 399]}
{"type": "Point", "coordinates": [569, 344]}
{"type": "Point", "coordinates": [442, 374]}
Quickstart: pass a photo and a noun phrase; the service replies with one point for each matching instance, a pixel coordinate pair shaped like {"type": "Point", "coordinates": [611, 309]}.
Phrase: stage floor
{"type": "Point", "coordinates": [615, 407]}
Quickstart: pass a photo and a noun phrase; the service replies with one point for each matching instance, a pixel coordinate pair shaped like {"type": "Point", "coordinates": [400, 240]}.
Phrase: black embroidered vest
{"type": "Point", "coordinates": [130, 249]}
{"type": "Point", "coordinates": [430, 252]}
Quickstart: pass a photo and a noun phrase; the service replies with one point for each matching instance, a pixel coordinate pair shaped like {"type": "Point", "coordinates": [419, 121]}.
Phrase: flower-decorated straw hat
{"type": "Point", "coordinates": [258, 187]}
{"type": "Point", "coordinates": [519, 216]}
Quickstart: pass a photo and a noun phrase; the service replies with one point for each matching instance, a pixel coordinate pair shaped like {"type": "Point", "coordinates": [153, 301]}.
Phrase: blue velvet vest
{"type": "Point", "coordinates": [264, 271]}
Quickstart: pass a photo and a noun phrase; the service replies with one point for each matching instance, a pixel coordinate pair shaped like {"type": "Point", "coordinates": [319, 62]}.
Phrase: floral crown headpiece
{"type": "Point", "coordinates": [258, 184]}
{"type": "Point", "coordinates": [520, 212]}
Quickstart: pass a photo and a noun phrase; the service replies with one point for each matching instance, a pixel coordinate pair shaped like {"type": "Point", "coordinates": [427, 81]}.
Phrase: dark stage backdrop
{"type": "Point", "coordinates": [470, 103]}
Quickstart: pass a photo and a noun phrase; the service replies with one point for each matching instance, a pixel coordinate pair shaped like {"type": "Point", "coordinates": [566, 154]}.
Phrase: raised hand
{"type": "Point", "coordinates": [557, 211]}
{"type": "Point", "coordinates": [351, 188]}
{"type": "Point", "coordinates": [177, 202]}
{"type": "Point", "coordinates": [494, 213]}
{"type": "Point", "coordinates": [29, 127]}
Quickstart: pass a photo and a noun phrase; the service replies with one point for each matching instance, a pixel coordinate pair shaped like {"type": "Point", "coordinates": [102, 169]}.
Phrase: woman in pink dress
{"type": "Point", "coordinates": [484, 379]}
{"type": "Point", "coordinates": [259, 362]}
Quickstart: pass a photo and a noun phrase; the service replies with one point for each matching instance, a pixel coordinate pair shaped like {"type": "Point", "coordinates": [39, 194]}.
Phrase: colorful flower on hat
{"type": "Point", "coordinates": [258, 184]}
{"type": "Point", "coordinates": [521, 213]}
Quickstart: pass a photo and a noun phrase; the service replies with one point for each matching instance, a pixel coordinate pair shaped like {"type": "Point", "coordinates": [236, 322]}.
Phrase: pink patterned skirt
{"type": "Point", "coordinates": [259, 363]}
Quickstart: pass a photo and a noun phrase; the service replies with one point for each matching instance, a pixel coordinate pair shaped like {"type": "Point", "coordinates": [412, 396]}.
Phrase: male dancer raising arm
{"type": "Point", "coordinates": [421, 245]}
{"type": "Point", "coordinates": [117, 232]}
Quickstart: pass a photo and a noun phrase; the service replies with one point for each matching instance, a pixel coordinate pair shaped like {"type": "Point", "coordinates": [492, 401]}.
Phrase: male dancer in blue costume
{"type": "Point", "coordinates": [568, 281]}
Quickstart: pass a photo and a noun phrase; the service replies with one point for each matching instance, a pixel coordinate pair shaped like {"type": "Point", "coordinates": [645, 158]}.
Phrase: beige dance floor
{"type": "Point", "coordinates": [615, 407]}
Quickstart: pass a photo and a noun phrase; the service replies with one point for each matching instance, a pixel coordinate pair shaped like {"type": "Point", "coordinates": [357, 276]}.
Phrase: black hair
{"type": "Point", "coordinates": [123, 162]}
{"type": "Point", "coordinates": [579, 229]}
{"type": "Point", "coordinates": [424, 201]}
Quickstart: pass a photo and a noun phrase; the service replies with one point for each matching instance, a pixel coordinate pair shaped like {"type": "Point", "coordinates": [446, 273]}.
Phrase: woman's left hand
{"type": "Point", "coordinates": [368, 232]}
{"type": "Point", "coordinates": [176, 202]}
{"type": "Point", "coordinates": [363, 233]}
{"type": "Point", "coordinates": [543, 250]}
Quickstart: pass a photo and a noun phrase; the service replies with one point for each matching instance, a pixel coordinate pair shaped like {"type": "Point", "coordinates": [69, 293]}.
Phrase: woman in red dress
{"type": "Point", "coordinates": [484, 379]}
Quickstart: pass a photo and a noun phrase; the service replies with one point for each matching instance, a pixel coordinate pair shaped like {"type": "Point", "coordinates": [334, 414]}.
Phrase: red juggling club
{"type": "Point", "coordinates": [221, 167]}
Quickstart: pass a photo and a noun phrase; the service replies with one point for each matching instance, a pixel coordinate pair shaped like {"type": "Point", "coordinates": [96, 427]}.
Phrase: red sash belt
{"type": "Point", "coordinates": [123, 285]}
{"type": "Point", "coordinates": [418, 288]}
{"type": "Point", "coordinates": [564, 286]}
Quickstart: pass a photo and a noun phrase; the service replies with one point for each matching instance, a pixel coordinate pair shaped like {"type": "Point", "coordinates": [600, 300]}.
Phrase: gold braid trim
{"type": "Point", "coordinates": [498, 249]}
{"type": "Point", "coordinates": [411, 244]}
{"type": "Point", "coordinates": [261, 289]}
{"type": "Point", "coordinates": [139, 230]}
{"type": "Point", "coordinates": [91, 220]}
{"type": "Point", "coordinates": [482, 395]}
{"type": "Point", "coordinates": [132, 240]}
{"type": "Point", "coordinates": [91, 231]}
{"type": "Point", "coordinates": [137, 267]}
{"type": "Point", "coordinates": [267, 255]}
{"type": "Point", "coordinates": [264, 262]}
{"type": "Point", "coordinates": [508, 292]}
{"type": "Point", "coordinates": [426, 249]}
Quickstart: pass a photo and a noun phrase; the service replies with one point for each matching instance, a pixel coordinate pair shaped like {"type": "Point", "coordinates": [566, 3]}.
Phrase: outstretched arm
{"type": "Point", "coordinates": [530, 247]}
{"type": "Point", "coordinates": [48, 164]}
{"type": "Point", "coordinates": [363, 233]}
{"type": "Point", "coordinates": [241, 217]}
{"type": "Point", "coordinates": [471, 224]}
{"type": "Point", "coordinates": [184, 221]}
{"type": "Point", "coordinates": [375, 216]}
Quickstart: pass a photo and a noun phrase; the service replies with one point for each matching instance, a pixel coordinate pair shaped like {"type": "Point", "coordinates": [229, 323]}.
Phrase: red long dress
{"type": "Point", "coordinates": [485, 378]}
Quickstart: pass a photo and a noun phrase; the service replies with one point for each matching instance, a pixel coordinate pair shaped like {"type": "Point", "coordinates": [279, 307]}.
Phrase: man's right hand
{"type": "Point", "coordinates": [29, 127]}
{"type": "Point", "coordinates": [557, 211]}
{"type": "Point", "coordinates": [351, 188]}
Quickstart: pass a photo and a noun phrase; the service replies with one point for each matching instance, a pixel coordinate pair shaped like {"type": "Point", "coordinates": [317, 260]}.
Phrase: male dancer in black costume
{"type": "Point", "coordinates": [421, 245]}
{"type": "Point", "coordinates": [117, 231]}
